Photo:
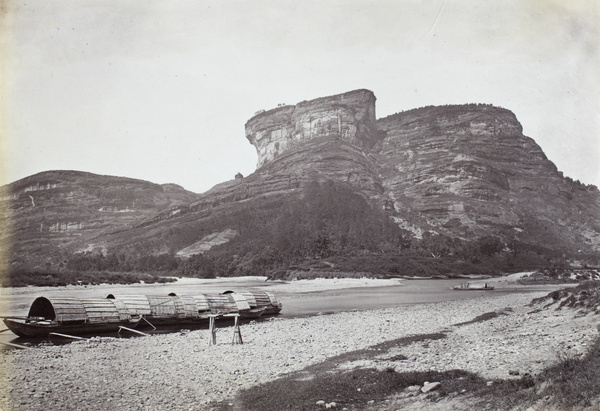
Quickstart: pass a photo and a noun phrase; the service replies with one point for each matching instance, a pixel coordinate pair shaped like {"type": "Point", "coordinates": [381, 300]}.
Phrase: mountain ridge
{"type": "Point", "coordinates": [435, 177]}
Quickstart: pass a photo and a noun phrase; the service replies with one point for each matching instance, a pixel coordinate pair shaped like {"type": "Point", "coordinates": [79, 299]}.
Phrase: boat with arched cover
{"type": "Point", "coordinates": [77, 316]}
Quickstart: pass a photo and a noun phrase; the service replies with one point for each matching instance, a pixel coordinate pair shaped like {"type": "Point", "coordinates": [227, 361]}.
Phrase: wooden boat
{"type": "Point", "coordinates": [473, 287]}
{"type": "Point", "coordinates": [75, 316]}
{"type": "Point", "coordinates": [253, 313]}
{"type": "Point", "coordinates": [42, 328]}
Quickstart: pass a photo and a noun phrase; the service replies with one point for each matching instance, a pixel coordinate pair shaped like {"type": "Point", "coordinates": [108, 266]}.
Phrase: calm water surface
{"type": "Point", "coordinates": [294, 305]}
{"type": "Point", "coordinates": [368, 298]}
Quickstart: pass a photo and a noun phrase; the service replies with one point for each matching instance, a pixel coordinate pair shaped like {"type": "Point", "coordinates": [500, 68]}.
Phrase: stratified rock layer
{"type": "Point", "coordinates": [48, 213]}
{"type": "Point", "coordinates": [348, 116]}
{"type": "Point", "coordinates": [469, 171]}
{"type": "Point", "coordinates": [465, 171]}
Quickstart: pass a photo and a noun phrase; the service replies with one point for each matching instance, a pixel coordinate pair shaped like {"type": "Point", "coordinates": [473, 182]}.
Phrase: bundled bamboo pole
{"type": "Point", "coordinates": [212, 329]}
{"type": "Point", "coordinates": [237, 334]}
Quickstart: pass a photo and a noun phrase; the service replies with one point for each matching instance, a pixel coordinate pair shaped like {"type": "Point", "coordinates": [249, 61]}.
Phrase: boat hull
{"type": "Point", "coordinates": [75, 316]}
{"type": "Point", "coordinates": [26, 329]}
{"type": "Point", "coordinates": [33, 330]}
{"type": "Point", "coordinates": [253, 313]}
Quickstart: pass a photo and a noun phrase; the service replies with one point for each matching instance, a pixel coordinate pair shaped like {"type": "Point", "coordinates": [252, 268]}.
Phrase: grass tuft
{"type": "Point", "coordinates": [352, 389]}
{"type": "Point", "coordinates": [485, 317]}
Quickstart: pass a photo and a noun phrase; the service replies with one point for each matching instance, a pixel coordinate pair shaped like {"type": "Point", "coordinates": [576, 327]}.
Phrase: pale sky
{"type": "Point", "coordinates": [161, 90]}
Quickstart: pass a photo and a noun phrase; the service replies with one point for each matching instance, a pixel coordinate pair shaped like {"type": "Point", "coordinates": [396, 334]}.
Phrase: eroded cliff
{"type": "Point", "coordinates": [468, 170]}
{"type": "Point", "coordinates": [59, 211]}
{"type": "Point", "coordinates": [465, 171]}
{"type": "Point", "coordinates": [349, 116]}
{"type": "Point", "coordinates": [462, 172]}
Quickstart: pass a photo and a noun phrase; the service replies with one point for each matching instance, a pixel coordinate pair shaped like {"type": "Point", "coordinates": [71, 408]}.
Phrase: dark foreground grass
{"type": "Point", "coordinates": [574, 382]}
{"type": "Point", "coordinates": [485, 317]}
{"type": "Point", "coordinates": [571, 383]}
{"type": "Point", "coordinates": [358, 388]}
{"type": "Point", "coordinates": [352, 389]}
{"type": "Point", "coordinates": [364, 388]}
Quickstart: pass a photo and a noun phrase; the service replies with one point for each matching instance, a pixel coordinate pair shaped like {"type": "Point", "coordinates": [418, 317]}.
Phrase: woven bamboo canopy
{"type": "Point", "coordinates": [120, 308]}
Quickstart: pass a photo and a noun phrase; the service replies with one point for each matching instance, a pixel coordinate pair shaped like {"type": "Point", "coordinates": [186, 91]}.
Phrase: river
{"type": "Point", "coordinates": [295, 302]}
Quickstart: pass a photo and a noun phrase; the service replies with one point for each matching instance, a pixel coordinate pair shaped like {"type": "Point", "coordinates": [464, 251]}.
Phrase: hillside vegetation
{"type": "Point", "coordinates": [328, 231]}
{"type": "Point", "coordinates": [446, 190]}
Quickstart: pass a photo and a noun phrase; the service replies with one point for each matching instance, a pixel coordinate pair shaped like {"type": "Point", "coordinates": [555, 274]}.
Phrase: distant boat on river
{"type": "Point", "coordinates": [473, 287]}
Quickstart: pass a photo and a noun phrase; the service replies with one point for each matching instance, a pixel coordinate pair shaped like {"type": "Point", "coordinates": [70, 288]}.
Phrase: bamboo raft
{"type": "Point", "coordinates": [75, 316]}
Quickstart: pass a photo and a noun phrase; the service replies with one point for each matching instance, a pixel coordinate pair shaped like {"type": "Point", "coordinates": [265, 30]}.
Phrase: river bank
{"type": "Point", "coordinates": [182, 371]}
{"type": "Point", "coordinates": [210, 283]}
{"type": "Point", "coordinates": [317, 295]}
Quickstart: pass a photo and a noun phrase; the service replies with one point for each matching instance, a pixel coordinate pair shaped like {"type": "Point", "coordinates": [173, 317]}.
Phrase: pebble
{"type": "Point", "coordinates": [182, 370]}
{"type": "Point", "coordinates": [430, 386]}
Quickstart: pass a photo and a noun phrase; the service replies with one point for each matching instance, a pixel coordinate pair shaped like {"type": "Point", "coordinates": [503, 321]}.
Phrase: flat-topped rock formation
{"type": "Point", "coordinates": [462, 171]}
{"type": "Point", "coordinates": [349, 116]}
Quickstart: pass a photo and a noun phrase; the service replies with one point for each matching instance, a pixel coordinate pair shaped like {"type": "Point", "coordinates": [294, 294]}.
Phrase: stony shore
{"type": "Point", "coordinates": [182, 371]}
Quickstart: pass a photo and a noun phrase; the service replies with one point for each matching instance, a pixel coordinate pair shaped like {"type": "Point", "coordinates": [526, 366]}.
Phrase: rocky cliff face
{"type": "Point", "coordinates": [348, 116]}
{"type": "Point", "coordinates": [59, 211]}
{"type": "Point", "coordinates": [464, 171]}
{"type": "Point", "coordinates": [469, 171]}
{"type": "Point", "coordinates": [468, 151]}
{"type": "Point", "coordinates": [329, 137]}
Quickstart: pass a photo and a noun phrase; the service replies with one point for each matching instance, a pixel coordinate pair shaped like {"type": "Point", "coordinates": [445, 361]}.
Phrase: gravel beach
{"type": "Point", "coordinates": [182, 371]}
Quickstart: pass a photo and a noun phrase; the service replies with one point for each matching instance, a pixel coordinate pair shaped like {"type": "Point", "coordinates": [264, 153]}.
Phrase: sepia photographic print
{"type": "Point", "coordinates": [300, 205]}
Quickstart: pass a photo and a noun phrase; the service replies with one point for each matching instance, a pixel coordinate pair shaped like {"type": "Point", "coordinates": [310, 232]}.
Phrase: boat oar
{"type": "Point", "coordinates": [132, 330]}
{"type": "Point", "coordinates": [67, 336]}
{"type": "Point", "coordinates": [15, 345]}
